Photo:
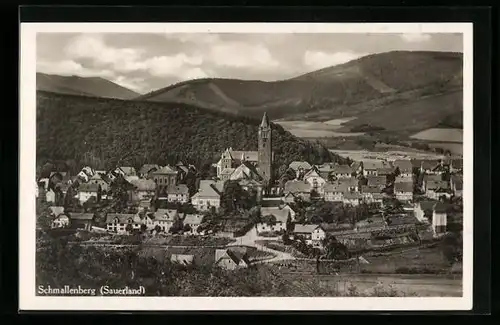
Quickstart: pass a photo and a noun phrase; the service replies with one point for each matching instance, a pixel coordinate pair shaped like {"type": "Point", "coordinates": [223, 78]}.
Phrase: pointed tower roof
{"type": "Point", "coordinates": [265, 121]}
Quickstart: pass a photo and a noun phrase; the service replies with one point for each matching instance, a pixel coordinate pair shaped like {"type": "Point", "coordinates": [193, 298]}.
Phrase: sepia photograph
{"type": "Point", "coordinates": [178, 166]}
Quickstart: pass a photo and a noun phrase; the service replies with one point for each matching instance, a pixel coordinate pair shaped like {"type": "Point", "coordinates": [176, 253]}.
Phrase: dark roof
{"type": "Point", "coordinates": [376, 180]}
{"type": "Point", "coordinates": [457, 163]}
{"type": "Point", "coordinates": [429, 164]}
{"type": "Point", "coordinates": [404, 187]}
{"type": "Point", "coordinates": [143, 184]}
{"type": "Point", "coordinates": [296, 186]}
{"type": "Point", "coordinates": [404, 165]}
{"type": "Point", "coordinates": [146, 168]}
{"type": "Point", "coordinates": [440, 207]}
{"type": "Point", "coordinates": [122, 217]}
{"type": "Point", "coordinates": [281, 214]}
{"type": "Point", "coordinates": [265, 121]}
{"type": "Point", "coordinates": [177, 189]}
{"type": "Point", "coordinates": [370, 189]}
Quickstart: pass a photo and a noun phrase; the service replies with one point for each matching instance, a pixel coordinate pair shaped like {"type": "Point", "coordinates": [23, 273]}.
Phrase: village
{"type": "Point", "coordinates": [369, 204]}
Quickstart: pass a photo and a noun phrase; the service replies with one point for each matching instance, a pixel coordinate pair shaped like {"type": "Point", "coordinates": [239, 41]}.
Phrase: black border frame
{"type": "Point", "coordinates": [481, 17]}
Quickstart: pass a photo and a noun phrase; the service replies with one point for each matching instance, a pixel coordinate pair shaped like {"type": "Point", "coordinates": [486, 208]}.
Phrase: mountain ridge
{"type": "Point", "coordinates": [87, 86]}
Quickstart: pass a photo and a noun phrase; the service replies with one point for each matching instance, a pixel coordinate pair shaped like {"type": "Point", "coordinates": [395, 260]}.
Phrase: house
{"type": "Point", "coordinates": [98, 179]}
{"type": "Point", "coordinates": [230, 259]}
{"type": "Point", "coordinates": [143, 189]}
{"type": "Point", "coordinates": [334, 192]}
{"type": "Point", "coordinates": [430, 166]}
{"type": "Point", "coordinates": [207, 197]}
{"type": "Point", "coordinates": [43, 183]}
{"type": "Point", "coordinates": [226, 173]}
{"type": "Point", "coordinates": [281, 214]}
{"type": "Point", "coordinates": [89, 171]}
{"type": "Point", "coordinates": [352, 198]}
{"type": "Point", "coordinates": [126, 171]}
{"type": "Point", "coordinates": [403, 168]}
{"type": "Point", "coordinates": [298, 189]}
{"type": "Point", "coordinates": [456, 183]}
{"type": "Point", "coordinates": [87, 190]}
{"type": "Point", "coordinates": [456, 165]}
{"type": "Point", "coordinates": [385, 169]}
{"type": "Point", "coordinates": [371, 167]}
{"type": "Point", "coordinates": [117, 222]}
{"type": "Point", "coordinates": [315, 180]}
{"type": "Point", "coordinates": [193, 221]}
{"type": "Point", "coordinates": [83, 221]}
{"type": "Point", "coordinates": [430, 178]}
{"type": "Point", "coordinates": [177, 193]}
{"type": "Point", "coordinates": [165, 176]}
{"type": "Point", "coordinates": [230, 158]}
{"type": "Point", "coordinates": [60, 221]}
{"type": "Point", "coordinates": [437, 189]}
{"type": "Point", "coordinates": [296, 165]}
{"type": "Point", "coordinates": [313, 234]}
{"type": "Point", "coordinates": [341, 171]}
{"type": "Point", "coordinates": [163, 218]}
{"type": "Point", "coordinates": [403, 179]}
{"type": "Point", "coordinates": [182, 259]}
{"type": "Point", "coordinates": [439, 218]}
{"type": "Point", "coordinates": [147, 170]}
{"type": "Point", "coordinates": [183, 170]}
{"type": "Point", "coordinates": [378, 181]}
{"type": "Point", "coordinates": [404, 191]}
{"type": "Point", "coordinates": [368, 192]}
{"type": "Point", "coordinates": [251, 184]}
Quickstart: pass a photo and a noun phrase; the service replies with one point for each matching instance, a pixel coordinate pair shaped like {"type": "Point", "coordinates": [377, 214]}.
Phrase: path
{"type": "Point", "coordinates": [250, 238]}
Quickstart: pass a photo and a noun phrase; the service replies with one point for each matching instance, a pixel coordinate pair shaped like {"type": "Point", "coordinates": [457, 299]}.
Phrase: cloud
{"type": "Point", "coordinates": [70, 68]}
{"type": "Point", "coordinates": [416, 37]}
{"type": "Point", "coordinates": [242, 55]}
{"type": "Point", "coordinates": [93, 46]}
{"type": "Point", "coordinates": [197, 38]}
{"type": "Point", "coordinates": [319, 59]}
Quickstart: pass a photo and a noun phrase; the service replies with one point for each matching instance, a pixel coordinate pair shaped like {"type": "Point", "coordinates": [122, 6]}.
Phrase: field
{"type": "Point", "coordinates": [310, 129]}
{"type": "Point", "coordinates": [440, 135]}
{"type": "Point", "coordinates": [407, 153]}
{"type": "Point", "coordinates": [454, 148]}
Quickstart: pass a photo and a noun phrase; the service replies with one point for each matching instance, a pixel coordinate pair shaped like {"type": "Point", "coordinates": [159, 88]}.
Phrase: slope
{"type": "Point", "coordinates": [327, 93]}
{"type": "Point", "coordinates": [110, 131]}
{"type": "Point", "coordinates": [74, 85]}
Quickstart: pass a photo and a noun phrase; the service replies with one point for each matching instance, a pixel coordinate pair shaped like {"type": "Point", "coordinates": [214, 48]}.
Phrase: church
{"type": "Point", "coordinates": [249, 167]}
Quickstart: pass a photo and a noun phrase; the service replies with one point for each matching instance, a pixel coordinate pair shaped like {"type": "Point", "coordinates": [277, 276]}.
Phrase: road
{"type": "Point", "coordinates": [250, 238]}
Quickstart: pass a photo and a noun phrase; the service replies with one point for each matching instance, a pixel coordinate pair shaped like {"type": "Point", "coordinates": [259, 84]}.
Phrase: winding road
{"type": "Point", "coordinates": [250, 238]}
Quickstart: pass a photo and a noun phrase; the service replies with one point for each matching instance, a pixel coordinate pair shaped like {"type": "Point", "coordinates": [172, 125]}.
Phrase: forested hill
{"type": "Point", "coordinates": [104, 132]}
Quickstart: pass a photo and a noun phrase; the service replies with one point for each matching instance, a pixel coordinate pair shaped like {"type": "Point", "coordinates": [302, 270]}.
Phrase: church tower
{"type": "Point", "coordinates": [265, 149]}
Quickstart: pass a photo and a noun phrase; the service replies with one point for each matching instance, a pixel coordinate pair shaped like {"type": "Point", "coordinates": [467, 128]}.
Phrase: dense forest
{"type": "Point", "coordinates": [105, 132]}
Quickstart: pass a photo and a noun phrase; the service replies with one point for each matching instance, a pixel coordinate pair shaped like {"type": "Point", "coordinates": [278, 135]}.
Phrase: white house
{"type": "Point", "coordinates": [117, 222]}
{"type": "Point", "coordinates": [61, 221]}
{"type": "Point", "coordinates": [439, 218]}
{"type": "Point", "coordinates": [353, 199]}
{"type": "Point", "coordinates": [403, 191]}
{"type": "Point", "coordinates": [164, 218]}
{"type": "Point", "coordinates": [280, 213]}
{"type": "Point", "coordinates": [316, 182]}
{"type": "Point", "coordinates": [207, 197]}
{"type": "Point", "coordinates": [87, 190]}
{"type": "Point", "coordinates": [334, 192]}
{"type": "Point", "coordinates": [405, 168]}
{"type": "Point", "coordinates": [193, 221]}
{"type": "Point", "coordinates": [144, 189]}
{"type": "Point", "coordinates": [178, 193]}
{"type": "Point", "coordinates": [231, 260]}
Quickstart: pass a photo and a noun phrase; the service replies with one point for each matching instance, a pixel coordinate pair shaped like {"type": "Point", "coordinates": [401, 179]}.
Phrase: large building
{"type": "Point", "coordinates": [255, 165]}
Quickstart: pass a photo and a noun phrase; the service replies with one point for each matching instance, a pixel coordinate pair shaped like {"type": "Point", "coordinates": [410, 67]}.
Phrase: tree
{"type": "Point", "coordinates": [269, 220]}
{"type": "Point", "coordinates": [157, 229]}
{"type": "Point", "coordinates": [451, 247]}
{"type": "Point", "coordinates": [129, 228]}
{"type": "Point", "coordinates": [143, 228]}
{"type": "Point", "coordinates": [335, 250]}
{"type": "Point", "coordinates": [186, 228]}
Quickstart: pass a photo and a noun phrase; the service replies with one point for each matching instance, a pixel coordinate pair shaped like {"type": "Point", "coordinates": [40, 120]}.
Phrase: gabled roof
{"type": "Point", "coordinates": [88, 187]}
{"type": "Point", "coordinates": [192, 219]}
{"type": "Point", "coordinates": [376, 180]}
{"type": "Point", "coordinates": [429, 164]}
{"type": "Point", "coordinates": [440, 207]}
{"type": "Point", "coordinates": [122, 217]}
{"type": "Point", "coordinates": [426, 205]}
{"type": "Point", "coordinates": [370, 189]}
{"type": "Point", "coordinates": [165, 170]}
{"type": "Point", "coordinates": [295, 165]}
{"type": "Point", "coordinates": [434, 185]}
{"type": "Point", "coordinates": [165, 215]}
{"type": "Point", "coordinates": [336, 187]}
{"type": "Point", "coordinates": [178, 189]}
{"type": "Point", "coordinates": [405, 165]}
{"type": "Point", "coordinates": [372, 164]}
{"type": "Point", "coordinates": [432, 178]}
{"type": "Point", "coordinates": [207, 190]}
{"type": "Point", "coordinates": [342, 169]}
{"type": "Point", "coordinates": [313, 172]}
{"type": "Point", "coordinates": [143, 184]}
{"type": "Point", "coordinates": [82, 216]}
{"type": "Point", "coordinates": [281, 214]}
{"type": "Point", "coordinates": [248, 155]}
{"type": "Point", "coordinates": [304, 229]}
{"type": "Point", "coordinates": [405, 187]}
{"type": "Point", "coordinates": [296, 186]}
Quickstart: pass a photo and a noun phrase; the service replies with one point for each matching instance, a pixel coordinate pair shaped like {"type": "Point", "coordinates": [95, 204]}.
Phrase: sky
{"type": "Point", "coordinates": [146, 62]}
